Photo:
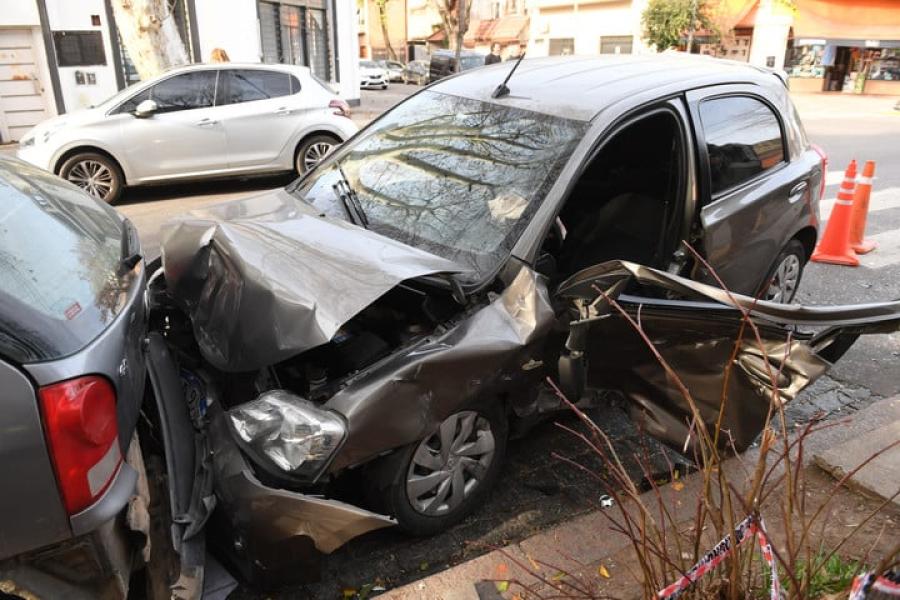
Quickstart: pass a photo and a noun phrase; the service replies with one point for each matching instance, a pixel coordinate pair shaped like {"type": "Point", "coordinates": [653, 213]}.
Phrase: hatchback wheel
{"type": "Point", "coordinates": [438, 481]}
{"type": "Point", "coordinates": [784, 279]}
{"type": "Point", "coordinates": [312, 151]}
{"type": "Point", "coordinates": [96, 174]}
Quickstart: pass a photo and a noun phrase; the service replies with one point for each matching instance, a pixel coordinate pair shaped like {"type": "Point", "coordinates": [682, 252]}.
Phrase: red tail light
{"type": "Point", "coordinates": [83, 434]}
{"type": "Point", "coordinates": [342, 108]}
{"type": "Point", "coordinates": [824, 158]}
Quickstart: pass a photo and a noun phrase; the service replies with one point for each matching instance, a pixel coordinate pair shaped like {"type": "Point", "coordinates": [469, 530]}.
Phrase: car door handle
{"type": "Point", "coordinates": [206, 122]}
{"type": "Point", "coordinates": [284, 111]}
{"type": "Point", "coordinates": [797, 191]}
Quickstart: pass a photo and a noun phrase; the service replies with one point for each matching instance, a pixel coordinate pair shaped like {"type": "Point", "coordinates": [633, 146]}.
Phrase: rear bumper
{"type": "Point", "coordinates": [276, 536]}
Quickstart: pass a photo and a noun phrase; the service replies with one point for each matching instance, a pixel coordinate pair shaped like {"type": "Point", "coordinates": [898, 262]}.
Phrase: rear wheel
{"type": "Point", "coordinates": [96, 174]}
{"type": "Point", "coordinates": [312, 151]}
{"type": "Point", "coordinates": [784, 278]}
{"type": "Point", "coordinates": [435, 483]}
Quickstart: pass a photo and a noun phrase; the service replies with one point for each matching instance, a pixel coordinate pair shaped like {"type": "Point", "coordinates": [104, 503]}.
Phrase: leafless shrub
{"type": "Point", "coordinates": [769, 481]}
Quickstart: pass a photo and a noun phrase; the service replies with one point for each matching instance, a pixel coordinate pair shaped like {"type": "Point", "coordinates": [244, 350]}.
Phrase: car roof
{"type": "Point", "coordinates": [581, 87]}
{"type": "Point", "coordinates": [294, 69]}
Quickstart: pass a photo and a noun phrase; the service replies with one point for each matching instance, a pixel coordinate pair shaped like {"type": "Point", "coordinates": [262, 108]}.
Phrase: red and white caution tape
{"type": "Point", "coordinates": [744, 531]}
{"type": "Point", "coordinates": [868, 585]}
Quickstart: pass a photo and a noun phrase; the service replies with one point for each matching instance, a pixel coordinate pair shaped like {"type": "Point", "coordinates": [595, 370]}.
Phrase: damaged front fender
{"type": "Point", "coordinates": [272, 530]}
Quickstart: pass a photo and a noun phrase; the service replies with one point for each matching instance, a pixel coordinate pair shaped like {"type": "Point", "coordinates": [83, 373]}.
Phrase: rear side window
{"type": "Point", "coordinates": [743, 139]}
{"type": "Point", "coordinates": [248, 85]}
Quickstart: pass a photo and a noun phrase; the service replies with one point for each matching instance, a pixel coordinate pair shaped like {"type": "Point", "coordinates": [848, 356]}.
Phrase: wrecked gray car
{"type": "Point", "coordinates": [355, 349]}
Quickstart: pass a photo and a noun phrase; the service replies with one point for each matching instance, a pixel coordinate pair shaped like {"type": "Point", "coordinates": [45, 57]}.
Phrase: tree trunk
{"type": "Point", "coordinates": [382, 16]}
{"type": "Point", "coordinates": [461, 24]}
{"type": "Point", "coordinates": [150, 35]}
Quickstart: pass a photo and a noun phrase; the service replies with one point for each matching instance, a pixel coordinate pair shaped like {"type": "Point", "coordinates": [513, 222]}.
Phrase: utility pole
{"type": "Point", "coordinates": [461, 27]}
{"type": "Point", "coordinates": [690, 40]}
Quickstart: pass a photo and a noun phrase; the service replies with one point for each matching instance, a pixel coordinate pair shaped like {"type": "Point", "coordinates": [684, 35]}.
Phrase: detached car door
{"type": "Point", "coordinates": [696, 336]}
{"type": "Point", "coordinates": [261, 107]}
{"type": "Point", "coordinates": [753, 196]}
{"type": "Point", "coordinates": [185, 136]}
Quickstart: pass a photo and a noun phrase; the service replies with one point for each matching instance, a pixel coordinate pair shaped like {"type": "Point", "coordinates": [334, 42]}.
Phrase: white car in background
{"type": "Point", "coordinates": [197, 121]}
{"type": "Point", "coordinates": [372, 76]}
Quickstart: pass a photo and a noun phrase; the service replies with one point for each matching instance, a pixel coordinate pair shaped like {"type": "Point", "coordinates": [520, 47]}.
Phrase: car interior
{"type": "Point", "coordinates": [625, 205]}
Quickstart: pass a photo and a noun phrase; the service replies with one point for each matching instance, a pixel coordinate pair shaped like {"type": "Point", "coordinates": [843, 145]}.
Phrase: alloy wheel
{"type": "Point", "coordinates": [448, 466]}
{"type": "Point", "coordinates": [93, 177]}
{"type": "Point", "coordinates": [315, 153]}
{"type": "Point", "coordinates": [785, 280]}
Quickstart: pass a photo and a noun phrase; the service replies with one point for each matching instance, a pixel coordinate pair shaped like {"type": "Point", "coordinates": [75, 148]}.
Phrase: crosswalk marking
{"type": "Point", "coordinates": [885, 199]}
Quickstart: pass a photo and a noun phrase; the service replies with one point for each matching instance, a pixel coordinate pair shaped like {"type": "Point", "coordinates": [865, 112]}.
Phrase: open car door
{"type": "Point", "coordinates": [697, 334]}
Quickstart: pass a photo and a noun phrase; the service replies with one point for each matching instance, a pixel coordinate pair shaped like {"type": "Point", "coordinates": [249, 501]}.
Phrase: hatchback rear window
{"type": "Point", "coordinates": [59, 258]}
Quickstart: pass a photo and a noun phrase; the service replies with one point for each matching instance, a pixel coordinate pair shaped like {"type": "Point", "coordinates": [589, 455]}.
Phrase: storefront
{"type": "Point", "coordinates": [850, 46]}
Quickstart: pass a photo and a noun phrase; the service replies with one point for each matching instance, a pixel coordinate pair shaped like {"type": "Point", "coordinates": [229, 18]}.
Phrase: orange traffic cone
{"type": "Point", "coordinates": [861, 210]}
{"type": "Point", "coordinates": [834, 248]}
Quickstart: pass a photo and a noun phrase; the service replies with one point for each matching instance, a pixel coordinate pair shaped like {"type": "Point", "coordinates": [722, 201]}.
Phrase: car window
{"type": "Point", "coordinates": [248, 85]}
{"type": "Point", "coordinates": [743, 139]}
{"type": "Point", "coordinates": [60, 250]}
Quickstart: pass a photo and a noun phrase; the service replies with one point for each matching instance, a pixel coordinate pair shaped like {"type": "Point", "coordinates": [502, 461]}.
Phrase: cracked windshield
{"type": "Point", "coordinates": [459, 178]}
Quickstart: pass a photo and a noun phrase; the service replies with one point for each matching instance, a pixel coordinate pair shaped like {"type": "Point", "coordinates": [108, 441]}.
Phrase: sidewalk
{"type": "Point", "coordinates": [581, 546]}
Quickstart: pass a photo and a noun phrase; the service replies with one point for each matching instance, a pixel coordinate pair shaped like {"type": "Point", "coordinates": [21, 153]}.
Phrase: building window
{"type": "Point", "coordinates": [562, 46]}
{"type": "Point", "coordinates": [79, 48]}
{"type": "Point", "coordinates": [296, 35]}
{"type": "Point", "coordinates": [616, 44]}
{"type": "Point", "coordinates": [743, 139]}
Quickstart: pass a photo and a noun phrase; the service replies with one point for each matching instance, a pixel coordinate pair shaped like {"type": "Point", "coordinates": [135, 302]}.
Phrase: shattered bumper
{"type": "Point", "coordinates": [277, 536]}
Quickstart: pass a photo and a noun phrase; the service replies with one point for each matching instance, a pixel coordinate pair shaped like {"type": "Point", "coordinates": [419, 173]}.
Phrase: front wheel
{"type": "Point", "coordinates": [783, 280]}
{"type": "Point", "coordinates": [96, 174]}
{"type": "Point", "coordinates": [312, 151]}
{"type": "Point", "coordinates": [433, 484]}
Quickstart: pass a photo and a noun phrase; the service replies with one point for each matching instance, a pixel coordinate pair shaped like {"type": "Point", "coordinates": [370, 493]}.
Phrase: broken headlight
{"type": "Point", "coordinates": [289, 432]}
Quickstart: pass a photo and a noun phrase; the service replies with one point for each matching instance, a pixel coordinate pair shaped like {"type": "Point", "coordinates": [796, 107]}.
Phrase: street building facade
{"type": "Point", "coordinates": [373, 25]}
{"type": "Point", "coordinates": [57, 56]}
{"type": "Point", "coordinates": [560, 27]}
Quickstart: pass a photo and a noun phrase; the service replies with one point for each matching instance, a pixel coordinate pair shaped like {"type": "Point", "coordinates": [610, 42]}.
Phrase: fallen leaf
{"type": "Point", "coordinates": [349, 593]}
{"type": "Point", "coordinates": [559, 575]}
{"type": "Point", "coordinates": [603, 572]}
{"type": "Point", "coordinates": [423, 566]}
{"type": "Point", "coordinates": [500, 571]}
{"type": "Point", "coordinates": [534, 564]}
{"type": "Point", "coordinates": [502, 586]}
{"type": "Point", "coordinates": [677, 486]}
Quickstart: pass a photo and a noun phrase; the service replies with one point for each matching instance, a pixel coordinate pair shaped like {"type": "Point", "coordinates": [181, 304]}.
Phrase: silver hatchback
{"type": "Point", "coordinates": [194, 122]}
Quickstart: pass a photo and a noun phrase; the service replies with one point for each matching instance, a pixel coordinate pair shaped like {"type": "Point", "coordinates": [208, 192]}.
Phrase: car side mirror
{"type": "Point", "coordinates": [145, 109]}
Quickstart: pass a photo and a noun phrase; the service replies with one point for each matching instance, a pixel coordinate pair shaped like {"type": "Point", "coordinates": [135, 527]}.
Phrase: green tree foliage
{"type": "Point", "coordinates": [667, 22]}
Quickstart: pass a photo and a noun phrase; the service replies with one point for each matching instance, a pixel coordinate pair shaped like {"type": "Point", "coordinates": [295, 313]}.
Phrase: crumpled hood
{"type": "Point", "coordinates": [267, 277]}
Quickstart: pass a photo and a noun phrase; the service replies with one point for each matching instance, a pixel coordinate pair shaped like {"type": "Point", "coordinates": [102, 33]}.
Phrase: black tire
{"type": "Point", "coordinates": [391, 473]}
{"type": "Point", "coordinates": [777, 287]}
{"type": "Point", "coordinates": [96, 174]}
{"type": "Point", "coordinates": [303, 159]}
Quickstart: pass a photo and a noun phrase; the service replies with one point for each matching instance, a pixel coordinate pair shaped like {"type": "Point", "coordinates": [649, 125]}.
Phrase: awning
{"type": "Point", "coordinates": [847, 20]}
{"type": "Point", "coordinates": [511, 28]}
{"type": "Point", "coordinates": [437, 36]}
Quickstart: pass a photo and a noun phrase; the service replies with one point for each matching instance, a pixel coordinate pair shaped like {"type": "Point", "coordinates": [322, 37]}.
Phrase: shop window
{"type": "Point", "coordinates": [562, 46]}
{"type": "Point", "coordinates": [616, 44]}
{"type": "Point", "coordinates": [885, 65]}
{"type": "Point", "coordinates": [79, 48]}
{"type": "Point", "coordinates": [743, 139]}
{"type": "Point", "coordinates": [805, 61]}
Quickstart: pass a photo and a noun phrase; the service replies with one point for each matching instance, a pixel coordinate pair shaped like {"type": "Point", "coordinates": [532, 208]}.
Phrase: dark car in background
{"type": "Point", "coordinates": [364, 341]}
{"type": "Point", "coordinates": [443, 63]}
{"type": "Point", "coordinates": [76, 368]}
